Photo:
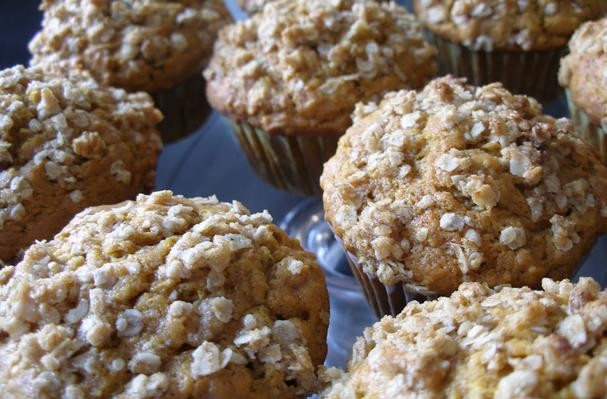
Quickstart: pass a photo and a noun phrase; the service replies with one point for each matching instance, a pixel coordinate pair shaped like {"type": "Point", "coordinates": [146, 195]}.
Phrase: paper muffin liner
{"type": "Point", "coordinates": [584, 127]}
{"type": "Point", "coordinates": [392, 299]}
{"type": "Point", "coordinates": [533, 73]}
{"type": "Point", "coordinates": [387, 299]}
{"type": "Point", "coordinates": [185, 108]}
{"type": "Point", "coordinates": [291, 163]}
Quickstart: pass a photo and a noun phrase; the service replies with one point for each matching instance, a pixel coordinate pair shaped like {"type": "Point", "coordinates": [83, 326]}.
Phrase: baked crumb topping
{"type": "Point", "coordinates": [302, 65]}
{"type": "Point", "coordinates": [507, 343]}
{"type": "Point", "coordinates": [58, 133]}
{"type": "Point", "coordinates": [136, 44]}
{"type": "Point", "coordinates": [584, 70]}
{"type": "Point", "coordinates": [457, 183]}
{"type": "Point", "coordinates": [507, 25]}
{"type": "Point", "coordinates": [163, 297]}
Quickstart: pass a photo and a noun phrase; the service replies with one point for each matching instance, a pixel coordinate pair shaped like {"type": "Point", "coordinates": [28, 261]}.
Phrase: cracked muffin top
{"type": "Point", "coordinates": [584, 70]}
{"type": "Point", "coordinates": [460, 183]}
{"type": "Point", "coordinates": [67, 143]}
{"type": "Point", "coordinates": [300, 66]}
{"type": "Point", "coordinates": [507, 25]}
{"type": "Point", "coordinates": [163, 297]}
{"type": "Point", "coordinates": [480, 343]}
{"type": "Point", "coordinates": [133, 44]}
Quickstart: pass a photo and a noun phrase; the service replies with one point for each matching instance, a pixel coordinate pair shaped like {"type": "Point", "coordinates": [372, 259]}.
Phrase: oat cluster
{"type": "Point", "coordinates": [584, 70]}
{"type": "Point", "coordinates": [507, 25]}
{"type": "Point", "coordinates": [299, 66]}
{"type": "Point", "coordinates": [457, 183]}
{"type": "Point", "coordinates": [133, 44]}
{"type": "Point", "coordinates": [65, 144]}
{"type": "Point", "coordinates": [252, 6]}
{"type": "Point", "coordinates": [480, 343]}
{"type": "Point", "coordinates": [163, 297]}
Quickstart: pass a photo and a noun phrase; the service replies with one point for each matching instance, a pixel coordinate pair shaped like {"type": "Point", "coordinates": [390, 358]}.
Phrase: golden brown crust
{"type": "Point", "coordinates": [507, 25]}
{"type": "Point", "coordinates": [584, 70]}
{"type": "Point", "coordinates": [299, 66]}
{"type": "Point", "coordinates": [458, 183]}
{"type": "Point", "coordinates": [67, 144]}
{"type": "Point", "coordinates": [480, 343]}
{"type": "Point", "coordinates": [163, 297]}
{"type": "Point", "coordinates": [136, 45]}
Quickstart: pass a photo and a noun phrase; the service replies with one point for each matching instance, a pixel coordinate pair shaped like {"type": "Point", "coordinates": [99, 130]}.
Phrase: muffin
{"type": "Point", "coordinates": [583, 74]}
{"type": "Point", "coordinates": [67, 144]}
{"type": "Point", "coordinates": [457, 183]}
{"type": "Point", "coordinates": [481, 343]}
{"type": "Point", "coordinates": [288, 78]}
{"type": "Point", "coordinates": [163, 297]}
{"type": "Point", "coordinates": [156, 46]}
{"type": "Point", "coordinates": [518, 43]}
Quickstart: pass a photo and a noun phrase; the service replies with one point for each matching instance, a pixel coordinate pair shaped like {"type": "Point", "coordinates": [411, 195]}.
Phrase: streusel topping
{"type": "Point", "coordinates": [480, 343]}
{"type": "Point", "coordinates": [163, 297]}
{"type": "Point", "coordinates": [301, 65]}
{"type": "Point", "coordinates": [135, 44]}
{"type": "Point", "coordinates": [56, 134]}
{"type": "Point", "coordinates": [457, 183]}
{"type": "Point", "coordinates": [507, 25]}
{"type": "Point", "coordinates": [584, 70]}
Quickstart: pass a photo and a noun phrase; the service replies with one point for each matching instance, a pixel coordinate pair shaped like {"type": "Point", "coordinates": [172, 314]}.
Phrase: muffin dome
{"type": "Point", "coordinates": [300, 65]}
{"type": "Point", "coordinates": [66, 144]}
{"type": "Point", "coordinates": [136, 44]}
{"type": "Point", "coordinates": [163, 297]}
{"type": "Point", "coordinates": [480, 343]}
{"type": "Point", "coordinates": [584, 70]}
{"type": "Point", "coordinates": [457, 183]}
{"type": "Point", "coordinates": [507, 25]}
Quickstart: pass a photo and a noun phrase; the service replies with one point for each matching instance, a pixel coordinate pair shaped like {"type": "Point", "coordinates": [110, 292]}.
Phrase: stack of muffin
{"type": "Point", "coordinates": [466, 198]}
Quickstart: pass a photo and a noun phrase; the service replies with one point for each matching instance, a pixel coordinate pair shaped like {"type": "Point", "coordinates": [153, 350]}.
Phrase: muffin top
{"type": "Point", "coordinates": [57, 132]}
{"type": "Point", "coordinates": [480, 343]}
{"type": "Point", "coordinates": [133, 44]}
{"type": "Point", "coordinates": [457, 183]}
{"type": "Point", "coordinates": [507, 25]}
{"type": "Point", "coordinates": [163, 297]}
{"type": "Point", "coordinates": [300, 66]}
{"type": "Point", "coordinates": [584, 70]}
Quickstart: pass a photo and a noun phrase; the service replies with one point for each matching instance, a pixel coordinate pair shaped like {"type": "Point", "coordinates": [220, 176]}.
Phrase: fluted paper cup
{"type": "Point", "coordinates": [185, 108]}
{"type": "Point", "coordinates": [533, 73]}
{"type": "Point", "coordinates": [387, 299]}
{"type": "Point", "coordinates": [392, 299]}
{"type": "Point", "coordinates": [291, 163]}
